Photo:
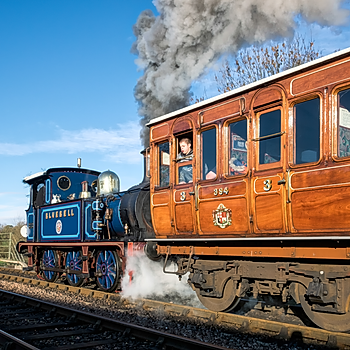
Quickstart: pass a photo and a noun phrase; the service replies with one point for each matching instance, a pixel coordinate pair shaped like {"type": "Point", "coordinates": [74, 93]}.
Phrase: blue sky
{"type": "Point", "coordinates": [66, 89]}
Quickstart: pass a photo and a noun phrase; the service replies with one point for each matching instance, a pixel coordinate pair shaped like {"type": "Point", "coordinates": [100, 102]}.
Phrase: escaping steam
{"type": "Point", "coordinates": [149, 281]}
{"type": "Point", "coordinates": [176, 47]}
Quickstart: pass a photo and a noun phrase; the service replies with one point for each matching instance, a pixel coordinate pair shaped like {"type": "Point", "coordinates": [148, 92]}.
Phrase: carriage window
{"type": "Point", "coordinates": [270, 137]}
{"type": "Point", "coordinates": [164, 164]}
{"type": "Point", "coordinates": [208, 170]}
{"type": "Point", "coordinates": [184, 160]}
{"type": "Point", "coordinates": [238, 148]}
{"type": "Point", "coordinates": [344, 123]}
{"type": "Point", "coordinates": [307, 131]}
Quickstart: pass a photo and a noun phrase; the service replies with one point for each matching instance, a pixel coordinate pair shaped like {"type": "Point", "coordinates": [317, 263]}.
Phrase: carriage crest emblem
{"type": "Point", "coordinates": [222, 216]}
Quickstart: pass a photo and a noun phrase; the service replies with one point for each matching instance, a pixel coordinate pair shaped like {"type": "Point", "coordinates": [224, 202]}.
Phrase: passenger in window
{"type": "Point", "coordinates": [186, 154]}
{"type": "Point", "coordinates": [208, 145]}
{"type": "Point", "coordinates": [238, 164]}
{"type": "Point", "coordinates": [344, 130]}
{"type": "Point", "coordinates": [238, 160]}
{"type": "Point", "coordinates": [209, 173]}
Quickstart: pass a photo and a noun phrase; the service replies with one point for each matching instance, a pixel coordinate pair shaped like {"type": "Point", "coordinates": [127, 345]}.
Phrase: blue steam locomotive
{"type": "Point", "coordinates": [81, 225]}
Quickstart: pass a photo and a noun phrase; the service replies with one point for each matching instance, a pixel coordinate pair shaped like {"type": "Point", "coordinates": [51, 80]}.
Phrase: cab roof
{"type": "Point", "coordinates": [45, 174]}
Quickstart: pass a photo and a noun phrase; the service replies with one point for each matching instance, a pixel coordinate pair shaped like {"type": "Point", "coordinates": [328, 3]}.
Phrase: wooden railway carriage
{"type": "Point", "coordinates": [268, 209]}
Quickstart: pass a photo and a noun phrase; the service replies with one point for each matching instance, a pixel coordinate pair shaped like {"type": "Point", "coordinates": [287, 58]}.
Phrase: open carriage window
{"type": "Point", "coordinates": [344, 123]}
{"type": "Point", "coordinates": [208, 169]}
{"type": "Point", "coordinates": [163, 164]}
{"type": "Point", "coordinates": [184, 159]}
{"type": "Point", "coordinates": [307, 131]}
{"type": "Point", "coordinates": [238, 148]}
{"type": "Point", "coordinates": [270, 137]}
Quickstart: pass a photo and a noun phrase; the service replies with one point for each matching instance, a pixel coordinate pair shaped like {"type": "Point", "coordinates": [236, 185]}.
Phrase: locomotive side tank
{"type": "Point", "coordinates": [81, 224]}
{"type": "Point", "coordinates": [266, 211]}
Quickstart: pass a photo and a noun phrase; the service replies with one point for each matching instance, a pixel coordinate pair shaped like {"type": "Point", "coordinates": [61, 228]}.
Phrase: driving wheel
{"type": "Point", "coordinates": [49, 260]}
{"type": "Point", "coordinates": [107, 270]}
{"type": "Point", "coordinates": [74, 262]}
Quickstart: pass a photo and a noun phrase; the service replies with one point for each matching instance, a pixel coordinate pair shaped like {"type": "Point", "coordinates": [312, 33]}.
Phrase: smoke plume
{"type": "Point", "coordinates": [187, 37]}
{"type": "Point", "coordinates": [149, 281]}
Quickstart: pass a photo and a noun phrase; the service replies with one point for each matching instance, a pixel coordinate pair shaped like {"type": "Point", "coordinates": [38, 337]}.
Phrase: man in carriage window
{"type": "Point", "coordinates": [185, 155]}
{"type": "Point", "coordinates": [344, 125]}
{"type": "Point", "coordinates": [238, 159]}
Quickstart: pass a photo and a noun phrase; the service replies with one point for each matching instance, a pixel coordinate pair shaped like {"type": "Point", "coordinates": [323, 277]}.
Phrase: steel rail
{"type": "Point", "coordinates": [8, 341]}
{"type": "Point", "coordinates": [161, 338]}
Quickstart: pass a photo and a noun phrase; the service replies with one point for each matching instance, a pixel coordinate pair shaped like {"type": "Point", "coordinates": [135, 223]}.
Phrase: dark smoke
{"type": "Point", "coordinates": [188, 36]}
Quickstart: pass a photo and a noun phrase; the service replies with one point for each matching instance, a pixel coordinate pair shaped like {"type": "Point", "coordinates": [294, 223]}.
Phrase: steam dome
{"type": "Point", "coordinates": [107, 183]}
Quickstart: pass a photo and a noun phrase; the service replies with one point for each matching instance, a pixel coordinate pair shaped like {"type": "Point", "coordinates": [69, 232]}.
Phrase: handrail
{"type": "Point", "coordinates": [269, 136]}
{"type": "Point", "coordinates": [177, 272]}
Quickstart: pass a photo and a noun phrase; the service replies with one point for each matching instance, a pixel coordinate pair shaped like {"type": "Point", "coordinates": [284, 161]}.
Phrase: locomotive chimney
{"type": "Point", "coordinates": [146, 165]}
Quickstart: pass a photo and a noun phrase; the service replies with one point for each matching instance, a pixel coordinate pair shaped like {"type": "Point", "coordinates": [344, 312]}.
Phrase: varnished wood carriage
{"type": "Point", "coordinates": [275, 217]}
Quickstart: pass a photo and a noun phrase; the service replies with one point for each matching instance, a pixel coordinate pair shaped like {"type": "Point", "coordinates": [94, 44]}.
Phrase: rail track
{"type": "Point", "coordinates": [240, 323]}
{"type": "Point", "coordinates": [28, 323]}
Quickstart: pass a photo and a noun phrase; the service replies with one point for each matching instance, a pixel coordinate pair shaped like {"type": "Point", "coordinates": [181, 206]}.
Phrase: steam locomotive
{"type": "Point", "coordinates": [264, 212]}
{"type": "Point", "coordinates": [80, 224]}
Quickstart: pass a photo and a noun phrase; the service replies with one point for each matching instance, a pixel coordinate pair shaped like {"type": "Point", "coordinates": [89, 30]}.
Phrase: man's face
{"type": "Point", "coordinates": [185, 147]}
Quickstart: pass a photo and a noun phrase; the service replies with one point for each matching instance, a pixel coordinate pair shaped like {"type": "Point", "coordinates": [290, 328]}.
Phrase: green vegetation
{"type": "Point", "coordinates": [14, 229]}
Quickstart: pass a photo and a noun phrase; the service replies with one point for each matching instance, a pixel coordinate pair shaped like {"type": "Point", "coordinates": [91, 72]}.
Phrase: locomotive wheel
{"type": "Point", "coordinates": [328, 321]}
{"type": "Point", "coordinates": [227, 302]}
{"type": "Point", "coordinates": [74, 262]}
{"type": "Point", "coordinates": [49, 260]}
{"type": "Point", "coordinates": [107, 270]}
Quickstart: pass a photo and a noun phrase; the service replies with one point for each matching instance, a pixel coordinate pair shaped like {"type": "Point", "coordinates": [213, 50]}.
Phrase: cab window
{"type": "Point", "coordinates": [238, 148]}
{"type": "Point", "coordinates": [307, 131]}
{"type": "Point", "coordinates": [38, 194]}
{"type": "Point", "coordinates": [163, 164]}
{"type": "Point", "coordinates": [208, 142]}
{"type": "Point", "coordinates": [270, 137]}
{"type": "Point", "coordinates": [344, 123]}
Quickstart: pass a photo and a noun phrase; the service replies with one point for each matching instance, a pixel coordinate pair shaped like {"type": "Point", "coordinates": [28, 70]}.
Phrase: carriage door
{"type": "Point", "coordinates": [268, 180]}
{"type": "Point", "coordinates": [161, 197]}
{"type": "Point", "coordinates": [184, 171]}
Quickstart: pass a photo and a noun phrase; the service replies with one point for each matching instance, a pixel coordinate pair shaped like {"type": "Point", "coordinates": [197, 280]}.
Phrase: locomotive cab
{"type": "Point", "coordinates": [53, 186]}
{"type": "Point", "coordinates": [60, 184]}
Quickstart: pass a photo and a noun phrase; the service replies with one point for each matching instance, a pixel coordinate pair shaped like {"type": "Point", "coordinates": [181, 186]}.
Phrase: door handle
{"type": "Point", "coordinates": [283, 182]}
{"type": "Point", "coordinates": [288, 187]}
{"type": "Point", "coordinates": [195, 194]}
